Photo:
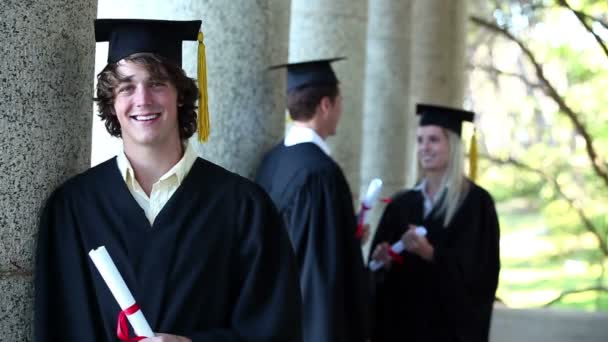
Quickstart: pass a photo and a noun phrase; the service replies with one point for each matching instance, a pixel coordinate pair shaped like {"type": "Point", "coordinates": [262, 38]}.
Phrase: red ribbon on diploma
{"type": "Point", "coordinates": [396, 257]}
{"type": "Point", "coordinates": [122, 327]}
{"type": "Point", "coordinates": [361, 221]}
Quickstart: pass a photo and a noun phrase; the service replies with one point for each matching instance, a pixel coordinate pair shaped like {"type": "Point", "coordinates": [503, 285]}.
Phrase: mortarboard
{"type": "Point", "coordinates": [160, 37]}
{"type": "Point", "coordinates": [309, 73]}
{"type": "Point", "coordinates": [446, 117]}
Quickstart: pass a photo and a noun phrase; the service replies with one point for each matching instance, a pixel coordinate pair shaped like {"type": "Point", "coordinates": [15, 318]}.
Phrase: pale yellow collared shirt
{"type": "Point", "coordinates": [163, 189]}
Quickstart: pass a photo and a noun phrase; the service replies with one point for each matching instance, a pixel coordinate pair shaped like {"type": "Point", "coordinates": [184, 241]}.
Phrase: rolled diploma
{"type": "Point", "coordinates": [373, 191]}
{"type": "Point", "coordinates": [371, 196]}
{"type": "Point", "coordinates": [119, 289]}
{"type": "Point", "coordinates": [397, 247]}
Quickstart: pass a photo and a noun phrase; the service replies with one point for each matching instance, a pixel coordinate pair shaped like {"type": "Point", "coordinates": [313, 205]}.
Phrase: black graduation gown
{"type": "Point", "coordinates": [215, 266]}
{"type": "Point", "coordinates": [314, 199]}
{"type": "Point", "coordinates": [451, 298]}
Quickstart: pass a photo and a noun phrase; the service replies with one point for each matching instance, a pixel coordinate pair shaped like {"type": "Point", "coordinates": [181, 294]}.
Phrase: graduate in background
{"type": "Point", "coordinates": [442, 287]}
{"type": "Point", "coordinates": [203, 250]}
{"type": "Point", "coordinates": [312, 195]}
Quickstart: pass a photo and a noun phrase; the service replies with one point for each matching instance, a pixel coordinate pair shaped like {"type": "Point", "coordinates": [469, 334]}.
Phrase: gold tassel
{"type": "Point", "coordinates": [203, 100]}
{"type": "Point", "coordinates": [473, 157]}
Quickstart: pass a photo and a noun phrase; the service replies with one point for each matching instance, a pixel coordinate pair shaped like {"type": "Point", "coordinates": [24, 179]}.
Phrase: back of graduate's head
{"type": "Point", "coordinates": [309, 84]}
{"type": "Point", "coordinates": [304, 102]}
{"type": "Point", "coordinates": [156, 46]}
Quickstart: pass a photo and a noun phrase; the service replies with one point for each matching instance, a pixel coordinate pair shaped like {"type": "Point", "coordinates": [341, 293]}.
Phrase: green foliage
{"type": "Point", "coordinates": [539, 263]}
{"type": "Point", "coordinates": [552, 203]}
{"type": "Point", "coordinates": [508, 182]}
{"type": "Point", "coordinates": [577, 66]}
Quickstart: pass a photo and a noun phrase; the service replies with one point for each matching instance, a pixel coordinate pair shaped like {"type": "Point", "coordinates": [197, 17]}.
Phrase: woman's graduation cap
{"type": "Point", "coordinates": [446, 117]}
{"type": "Point", "coordinates": [310, 73]}
{"type": "Point", "coordinates": [450, 118]}
{"type": "Point", "coordinates": [160, 37]}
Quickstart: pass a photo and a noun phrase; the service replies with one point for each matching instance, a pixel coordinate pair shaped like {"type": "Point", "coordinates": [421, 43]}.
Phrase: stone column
{"type": "Point", "coordinates": [325, 29]}
{"type": "Point", "coordinates": [438, 55]}
{"type": "Point", "coordinates": [386, 108]}
{"type": "Point", "coordinates": [438, 52]}
{"type": "Point", "coordinates": [46, 70]}
{"type": "Point", "coordinates": [387, 91]}
{"type": "Point", "coordinates": [242, 39]}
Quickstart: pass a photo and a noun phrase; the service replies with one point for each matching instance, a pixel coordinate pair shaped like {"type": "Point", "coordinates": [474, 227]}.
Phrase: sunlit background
{"type": "Point", "coordinates": [535, 132]}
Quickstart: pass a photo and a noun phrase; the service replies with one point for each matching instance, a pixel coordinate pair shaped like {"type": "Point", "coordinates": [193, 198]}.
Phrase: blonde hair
{"type": "Point", "coordinates": [454, 182]}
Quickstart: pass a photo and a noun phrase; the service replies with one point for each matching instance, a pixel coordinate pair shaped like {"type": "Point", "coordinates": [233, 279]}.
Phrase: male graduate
{"type": "Point", "coordinates": [202, 250]}
{"type": "Point", "coordinates": [316, 204]}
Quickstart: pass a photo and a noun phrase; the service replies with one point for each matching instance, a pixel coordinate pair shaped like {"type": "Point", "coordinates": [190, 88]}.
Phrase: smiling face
{"type": "Point", "coordinates": [145, 106]}
{"type": "Point", "coordinates": [432, 148]}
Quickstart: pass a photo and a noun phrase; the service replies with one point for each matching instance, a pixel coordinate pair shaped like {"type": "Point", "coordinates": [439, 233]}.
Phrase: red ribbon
{"type": "Point", "coordinates": [361, 221]}
{"type": "Point", "coordinates": [396, 257]}
{"type": "Point", "coordinates": [122, 327]}
{"type": "Point", "coordinates": [386, 200]}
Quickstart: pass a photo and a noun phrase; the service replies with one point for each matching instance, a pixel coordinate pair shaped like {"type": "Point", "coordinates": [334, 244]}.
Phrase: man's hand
{"type": "Point", "coordinates": [365, 234]}
{"type": "Point", "coordinates": [167, 338]}
{"type": "Point", "coordinates": [381, 254]}
{"type": "Point", "coordinates": [417, 244]}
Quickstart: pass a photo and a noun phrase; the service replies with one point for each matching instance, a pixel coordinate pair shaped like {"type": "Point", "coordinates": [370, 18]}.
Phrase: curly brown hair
{"type": "Point", "coordinates": [187, 92]}
{"type": "Point", "coordinates": [302, 102]}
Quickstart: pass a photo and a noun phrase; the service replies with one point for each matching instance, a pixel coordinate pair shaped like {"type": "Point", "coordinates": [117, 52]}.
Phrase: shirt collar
{"type": "Point", "coordinates": [299, 134]}
{"type": "Point", "coordinates": [422, 188]}
{"type": "Point", "coordinates": [183, 166]}
{"type": "Point", "coordinates": [180, 170]}
{"type": "Point", "coordinates": [123, 164]}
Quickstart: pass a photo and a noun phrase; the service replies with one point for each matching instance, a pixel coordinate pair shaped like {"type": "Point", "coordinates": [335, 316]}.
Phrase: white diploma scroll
{"type": "Point", "coordinates": [371, 196]}
{"type": "Point", "coordinates": [397, 247]}
{"type": "Point", "coordinates": [373, 192]}
{"type": "Point", "coordinates": [119, 289]}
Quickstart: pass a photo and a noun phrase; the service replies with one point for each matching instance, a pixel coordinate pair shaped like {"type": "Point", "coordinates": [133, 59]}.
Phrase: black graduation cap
{"type": "Point", "coordinates": [129, 36]}
{"type": "Point", "coordinates": [309, 73]}
{"type": "Point", "coordinates": [446, 117]}
{"type": "Point", "coordinates": [160, 37]}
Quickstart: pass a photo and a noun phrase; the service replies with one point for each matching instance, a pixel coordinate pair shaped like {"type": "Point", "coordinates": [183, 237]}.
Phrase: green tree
{"type": "Point", "coordinates": [539, 79]}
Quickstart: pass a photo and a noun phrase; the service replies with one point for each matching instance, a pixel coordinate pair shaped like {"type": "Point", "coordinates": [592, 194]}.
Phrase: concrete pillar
{"type": "Point", "coordinates": [438, 57]}
{"type": "Point", "coordinates": [46, 68]}
{"type": "Point", "coordinates": [324, 29]}
{"type": "Point", "coordinates": [242, 39]}
{"type": "Point", "coordinates": [438, 52]}
{"type": "Point", "coordinates": [385, 147]}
